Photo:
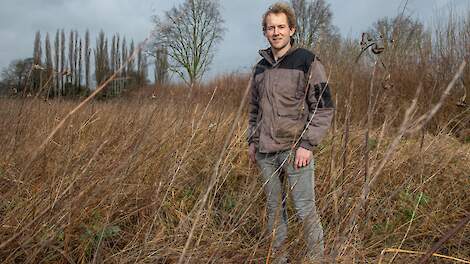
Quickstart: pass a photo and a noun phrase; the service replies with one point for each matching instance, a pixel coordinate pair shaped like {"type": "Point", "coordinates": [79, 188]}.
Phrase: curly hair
{"type": "Point", "coordinates": [278, 8]}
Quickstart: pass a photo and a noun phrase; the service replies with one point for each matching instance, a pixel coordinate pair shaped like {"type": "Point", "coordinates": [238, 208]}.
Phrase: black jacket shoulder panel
{"type": "Point", "coordinates": [261, 66]}
{"type": "Point", "coordinates": [307, 54]}
{"type": "Point", "coordinates": [308, 57]}
{"type": "Point", "coordinates": [300, 59]}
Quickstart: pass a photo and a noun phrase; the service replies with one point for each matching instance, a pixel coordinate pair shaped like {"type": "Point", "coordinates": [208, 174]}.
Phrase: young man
{"type": "Point", "coordinates": [290, 112]}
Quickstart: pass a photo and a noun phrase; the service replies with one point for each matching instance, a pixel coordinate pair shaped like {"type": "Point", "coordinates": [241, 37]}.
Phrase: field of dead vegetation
{"type": "Point", "coordinates": [142, 180]}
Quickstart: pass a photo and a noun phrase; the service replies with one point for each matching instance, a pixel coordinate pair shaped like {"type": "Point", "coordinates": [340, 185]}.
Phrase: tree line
{"type": "Point", "coordinates": [185, 38]}
{"type": "Point", "coordinates": [183, 42]}
{"type": "Point", "coordinates": [69, 67]}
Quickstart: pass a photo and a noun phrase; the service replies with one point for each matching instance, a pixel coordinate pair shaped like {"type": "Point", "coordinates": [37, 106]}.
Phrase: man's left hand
{"type": "Point", "coordinates": [302, 157]}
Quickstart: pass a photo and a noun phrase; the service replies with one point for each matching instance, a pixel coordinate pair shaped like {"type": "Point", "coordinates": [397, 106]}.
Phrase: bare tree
{"type": "Point", "coordinates": [139, 66]}
{"type": "Point", "coordinates": [112, 65]}
{"type": "Point", "coordinates": [130, 64]}
{"type": "Point", "coordinates": [403, 39]}
{"type": "Point", "coordinates": [190, 33]}
{"type": "Point", "coordinates": [37, 61]}
{"type": "Point", "coordinates": [71, 62]}
{"type": "Point", "coordinates": [56, 61]}
{"type": "Point", "coordinates": [87, 60]}
{"type": "Point", "coordinates": [15, 76]}
{"type": "Point", "coordinates": [62, 62]}
{"type": "Point", "coordinates": [313, 21]}
{"type": "Point", "coordinates": [118, 64]}
{"type": "Point", "coordinates": [76, 76]}
{"type": "Point", "coordinates": [79, 68]}
{"type": "Point", "coordinates": [49, 65]}
{"type": "Point", "coordinates": [123, 59]}
{"type": "Point", "coordinates": [161, 66]}
{"type": "Point", "coordinates": [142, 68]}
{"type": "Point", "coordinates": [101, 58]}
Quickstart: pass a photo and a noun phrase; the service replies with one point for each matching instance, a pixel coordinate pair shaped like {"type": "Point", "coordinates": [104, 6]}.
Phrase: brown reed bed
{"type": "Point", "coordinates": [121, 180]}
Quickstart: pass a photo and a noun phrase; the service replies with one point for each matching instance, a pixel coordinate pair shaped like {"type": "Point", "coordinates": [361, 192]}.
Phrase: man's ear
{"type": "Point", "coordinates": [292, 31]}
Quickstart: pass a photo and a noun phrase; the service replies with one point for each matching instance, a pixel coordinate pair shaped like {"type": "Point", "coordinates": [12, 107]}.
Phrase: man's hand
{"type": "Point", "coordinates": [302, 157]}
{"type": "Point", "coordinates": [252, 152]}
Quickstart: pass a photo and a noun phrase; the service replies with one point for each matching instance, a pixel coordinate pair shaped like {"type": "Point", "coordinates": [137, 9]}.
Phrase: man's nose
{"type": "Point", "coordinates": [276, 31]}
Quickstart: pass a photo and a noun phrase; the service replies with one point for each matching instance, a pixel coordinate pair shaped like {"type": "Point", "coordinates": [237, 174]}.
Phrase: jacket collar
{"type": "Point", "coordinates": [268, 55]}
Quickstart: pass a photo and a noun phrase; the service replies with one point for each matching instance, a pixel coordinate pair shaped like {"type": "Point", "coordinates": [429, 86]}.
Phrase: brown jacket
{"type": "Point", "coordinates": [283, 109]}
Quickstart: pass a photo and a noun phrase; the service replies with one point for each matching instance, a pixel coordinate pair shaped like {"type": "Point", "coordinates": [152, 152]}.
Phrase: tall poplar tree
{"type": "Point", "coordinates": [70, 70]}
{"type": "Point", "coordinates": [161, 66]}
{"type": "Point", "coordinates": [113, 63]}
{"type": "Point", "coordinates": [87, 60]}
{"type": "Point", "coordinates": [57, 60]}
{"type": "Point", "coordinates": [79, 71]}
{"type": "Point", "coordinates": [62, 62]}
{"type": "Point", "coordinates": [118, 64]}
{"type": "Point", "coordinates": [76, 76]}
{"type": "Point", "coordinates": [139, 67]}
{"type": "Point", "coordinates": [101, 59]}
{"type": "Point", "coordinates": [49, 66]}
{"type": "Point", "coordinates": [37, 54]}
{"type": "Point", "coordinates": [123, 60]}
{"type": "Point", "coordinates": [143, 70]}
{"type": "Point", "coordinates": [131, 64]}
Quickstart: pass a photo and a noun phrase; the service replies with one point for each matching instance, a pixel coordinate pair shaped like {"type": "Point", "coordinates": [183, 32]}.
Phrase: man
{"type": "Point", "coordinates": [290, 112]}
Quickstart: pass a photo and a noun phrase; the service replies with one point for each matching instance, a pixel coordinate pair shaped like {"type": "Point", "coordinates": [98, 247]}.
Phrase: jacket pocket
{"type": "Point", "coordinates": [288, 129]}
{"type": "Point", "coordinates": [292, 112]}
{"type": "Point", "coordinates": [291, 93]}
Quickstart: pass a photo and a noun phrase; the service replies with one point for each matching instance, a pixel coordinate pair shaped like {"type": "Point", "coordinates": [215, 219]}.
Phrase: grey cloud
{"type": "Point", "coordinates": [19, 19]}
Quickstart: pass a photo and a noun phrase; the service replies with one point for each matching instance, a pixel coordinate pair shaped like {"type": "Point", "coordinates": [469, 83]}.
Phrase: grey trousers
{"type": "Point", "coordinates": [301, 186]}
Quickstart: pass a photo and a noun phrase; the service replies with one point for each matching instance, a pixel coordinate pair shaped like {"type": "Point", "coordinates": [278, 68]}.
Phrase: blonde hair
{"type": "Point", "coordinates": [278, 8]}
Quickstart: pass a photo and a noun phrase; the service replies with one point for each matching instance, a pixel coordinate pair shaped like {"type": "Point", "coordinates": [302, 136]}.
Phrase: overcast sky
{"type": "Point", "coordinates": [20, 19]}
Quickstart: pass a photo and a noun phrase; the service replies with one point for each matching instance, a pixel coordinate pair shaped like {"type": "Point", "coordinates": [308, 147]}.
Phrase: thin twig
{"type": "Point", "coordinates": [446, 237]}
{"type": "Point", "coordinates": [411, 252]}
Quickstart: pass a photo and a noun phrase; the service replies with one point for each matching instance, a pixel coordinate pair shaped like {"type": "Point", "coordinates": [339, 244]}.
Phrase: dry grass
{"type": "Point", "coordinates": [140, 180]}
{"type": "Point", "coordinates": [119, 183]}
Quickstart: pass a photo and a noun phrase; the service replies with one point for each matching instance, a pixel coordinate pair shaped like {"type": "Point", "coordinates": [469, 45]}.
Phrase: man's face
{"type": "Point", "coordinates": [277, 30]}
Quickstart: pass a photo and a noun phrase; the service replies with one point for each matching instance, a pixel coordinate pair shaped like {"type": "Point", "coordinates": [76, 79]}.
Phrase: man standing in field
{"type": "Point", "coordinates": [290, 112]}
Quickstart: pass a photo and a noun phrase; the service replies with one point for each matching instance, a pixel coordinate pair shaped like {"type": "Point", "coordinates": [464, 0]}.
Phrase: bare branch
{"type": "Point", "coordinates": [189, 34]}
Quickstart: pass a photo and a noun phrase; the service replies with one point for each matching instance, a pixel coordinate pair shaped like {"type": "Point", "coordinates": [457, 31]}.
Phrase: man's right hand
{"type": "Point", "coordinates": [252, 152]}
